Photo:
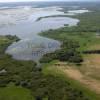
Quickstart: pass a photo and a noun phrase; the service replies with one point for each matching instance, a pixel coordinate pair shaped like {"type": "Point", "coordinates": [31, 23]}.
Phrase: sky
{"type": "Point", "coordinates": [42, 0]}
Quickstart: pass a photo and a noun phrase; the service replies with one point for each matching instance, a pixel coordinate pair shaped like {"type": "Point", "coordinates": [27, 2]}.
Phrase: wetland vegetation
{"type": "Point", "coordinates": [83, 40]}
{"type": "Point", "coordinates": [64, 73]}
{"type": "Point", "coordinates": [25, 79]}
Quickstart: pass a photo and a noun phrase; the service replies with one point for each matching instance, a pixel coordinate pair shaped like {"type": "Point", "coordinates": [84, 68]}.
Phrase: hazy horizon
{"type": "Point", "coordinates": [4, 1]}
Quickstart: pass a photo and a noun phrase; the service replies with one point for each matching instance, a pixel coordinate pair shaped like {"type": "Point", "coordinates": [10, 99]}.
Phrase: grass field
{"type": "Point", "coordinates": [12, 92]}
{"type": "Point", "coordinates": [91, 66]}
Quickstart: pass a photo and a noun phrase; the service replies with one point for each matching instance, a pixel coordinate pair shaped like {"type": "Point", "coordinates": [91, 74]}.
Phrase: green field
{"type": "Point", "coordinates": [12, 92]}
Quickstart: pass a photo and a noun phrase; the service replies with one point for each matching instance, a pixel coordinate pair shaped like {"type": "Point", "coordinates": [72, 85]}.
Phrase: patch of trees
{"type": "Point", "coordinates": [10, 37]}
{"type": "Point", "coordinates": [92, 52]}
{"type": "Point", "coordinates": [68, 52]}
{"type": "Point", "coordinates": [54, 88]}
{"type": "Point", "coordinates": [6, 42]}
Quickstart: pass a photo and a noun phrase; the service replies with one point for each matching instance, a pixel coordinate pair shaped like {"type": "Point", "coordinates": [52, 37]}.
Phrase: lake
{"type": "Point", "coordinates": [22, 22]}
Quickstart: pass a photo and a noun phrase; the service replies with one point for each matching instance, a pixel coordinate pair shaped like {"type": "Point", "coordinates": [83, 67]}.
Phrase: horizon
{"type": "Point", "coordinates": [12, 1]}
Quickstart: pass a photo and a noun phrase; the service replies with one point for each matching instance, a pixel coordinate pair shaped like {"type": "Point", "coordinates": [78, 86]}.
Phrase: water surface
{"type": "Point", "coordinates": [23, 23]}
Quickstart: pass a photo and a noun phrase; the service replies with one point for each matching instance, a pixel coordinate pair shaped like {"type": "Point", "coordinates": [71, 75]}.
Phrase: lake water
{"type": "Point", "coordinates": [22, 21]}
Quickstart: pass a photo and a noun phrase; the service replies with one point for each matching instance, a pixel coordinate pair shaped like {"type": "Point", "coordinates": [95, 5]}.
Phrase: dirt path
{"type": "Point", "coordinates": [75, 74]}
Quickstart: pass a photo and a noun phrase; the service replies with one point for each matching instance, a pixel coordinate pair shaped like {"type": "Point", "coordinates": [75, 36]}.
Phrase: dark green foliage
{"type": "Point", "coordinates": [48, 57]}
{"type": "Point", "coordinates": [6, 41]}
{"type": "Point", "coordinates": [92, 52]}
{"type": "Point", "coordinates": [15, 38]}
{"type": "Point", "coordinates": [55, 89]}
{"type": "Point", "coordinates": [68, 52]}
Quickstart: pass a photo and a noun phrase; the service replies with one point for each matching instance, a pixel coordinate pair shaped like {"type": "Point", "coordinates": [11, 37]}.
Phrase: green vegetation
{"type": "Point", "coordinates": [5, 41]}
{"type": "Point", "coordinates": [50, 69]}
{"type": "Point", "coordinates": [77, 39]}
{"type": "Point", "coordinates": [22, 80]}
{"type": "Point", "coordinates": [12, 92]}
{"type": "Point", "coordinates": [68, 52]}
{"type": "Point", "coordinates": [32, 83]}
{"type": "Point", "coordinates": [40, 18]}
{"type": "Point", "coordinates": [77, 42]}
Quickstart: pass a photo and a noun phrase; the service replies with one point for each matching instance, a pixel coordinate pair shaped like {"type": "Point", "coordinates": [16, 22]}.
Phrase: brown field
{"type": "Point", "coordinates": [91, 66]}
{"type": "Point", "coordinates": [88, 74]}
